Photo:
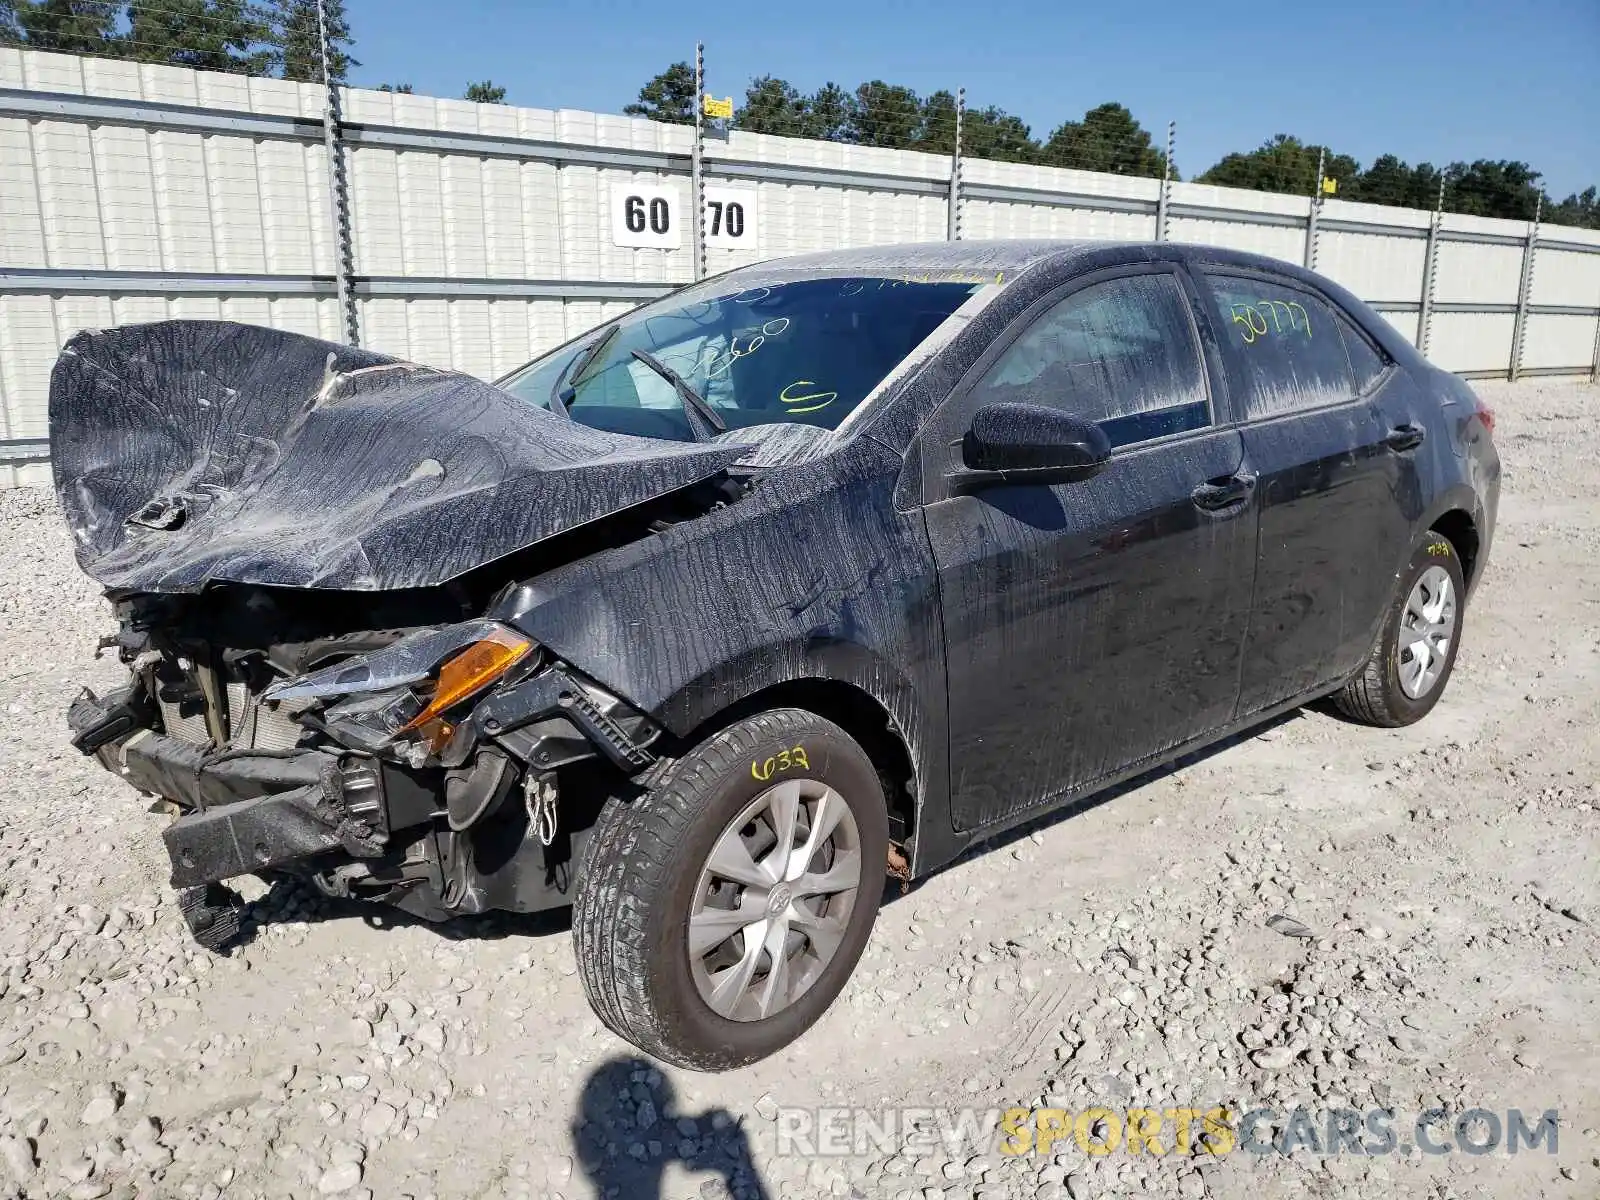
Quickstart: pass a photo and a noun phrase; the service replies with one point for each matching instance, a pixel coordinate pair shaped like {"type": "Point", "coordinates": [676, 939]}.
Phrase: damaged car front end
{"type": "Point", "coordinates": [425, 773]}
{"type": "Point", "coordinates": [646, 627]}
{"type": "Point", "coordinates": [304, 546]}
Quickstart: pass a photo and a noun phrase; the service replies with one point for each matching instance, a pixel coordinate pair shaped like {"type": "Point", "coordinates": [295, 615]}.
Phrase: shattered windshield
{"type": "Point", "coordinates": [801, 350]}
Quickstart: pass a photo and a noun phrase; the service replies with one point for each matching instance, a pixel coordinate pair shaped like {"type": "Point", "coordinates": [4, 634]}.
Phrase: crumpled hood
{"type": "Point", "coordinates": [188, 452]}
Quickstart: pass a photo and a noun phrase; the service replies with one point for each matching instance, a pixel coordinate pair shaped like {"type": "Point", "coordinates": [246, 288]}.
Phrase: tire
{"type": "Point", "coordinates": [1387, 692]}
{"type": "Point", "coordinates": [647, 871]}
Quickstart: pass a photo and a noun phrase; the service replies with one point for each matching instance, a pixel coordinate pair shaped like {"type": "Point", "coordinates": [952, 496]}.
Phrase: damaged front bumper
{"type": "Point", "coordinates": [493, 816]}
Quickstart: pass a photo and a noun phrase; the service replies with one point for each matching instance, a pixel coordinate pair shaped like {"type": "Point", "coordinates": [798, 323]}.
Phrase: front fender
{"type": "Point", "coordinates": [812, 576]}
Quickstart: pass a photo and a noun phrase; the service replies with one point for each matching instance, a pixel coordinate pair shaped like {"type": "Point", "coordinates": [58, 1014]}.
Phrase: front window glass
{"type": "Point", "coordinates": [1120, 353]}
{"type": "Point", "coordinates": [805, 350]}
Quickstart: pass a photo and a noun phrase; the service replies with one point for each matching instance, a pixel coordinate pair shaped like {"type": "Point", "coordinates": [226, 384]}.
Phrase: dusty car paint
{"type": "Point", "coordinates": [272, 458]}
{"type": "Point", "coordinates": [1022, 645]}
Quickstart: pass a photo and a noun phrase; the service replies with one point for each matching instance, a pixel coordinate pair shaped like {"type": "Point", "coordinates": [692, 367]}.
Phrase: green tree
{"type": "Point", "coordinates": [10, 33]}
{"type": "Point", "coordinates": [487, 92]}
{"type": "Point", "coordinates": [71, 26]}
{"type": "Point", "coordinates": [994, 133]}
{"type": "Point", "coordinates": [1422, 191]}
{"type": "Point", "coordinates": [1107, 139]}
{"type": "Point", "coordinates": [1580, 208]}
{"type": "Point", "coordinates": [885, 114]}
{"type": "Point", "coordinates": [828, 114]}
{"type": "Point", "coordinates": [936, 133]}
{"type": "Point", "coordinates": [399, 89]}
{"type": "Point", "coordinates": [208, 35]}
{"type": "Point", "coordinates": [1386, 181]}
{"type": "Point", "coordinates": [300, 40]}
{"type": "Point", "coordinates": [1499, 188]}
{"type": "Point", "coordinates": [669, 97]}
{"type": "Point", "coordinates": [773, 106]}
{"type": "Point", "coordinates": [1390, 180]}
{"type": "Point", "coordinates": [1283, 164]}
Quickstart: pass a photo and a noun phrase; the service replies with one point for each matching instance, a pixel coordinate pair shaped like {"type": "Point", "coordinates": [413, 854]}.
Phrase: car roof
{"type": "Point", "coordinates": [967, 256]}
{"type": "Point", "coordinates": [1014, 255]}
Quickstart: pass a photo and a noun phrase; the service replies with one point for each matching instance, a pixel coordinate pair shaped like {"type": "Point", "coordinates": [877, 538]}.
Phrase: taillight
{"type": "Point", "coordinates": [1486, 415]}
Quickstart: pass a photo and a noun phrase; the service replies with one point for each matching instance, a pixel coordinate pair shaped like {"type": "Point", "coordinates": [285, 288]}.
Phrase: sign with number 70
{"type": "Point", "coordinates": [732, 214]}
{"type": "Point", "coordinates": [649, 216]}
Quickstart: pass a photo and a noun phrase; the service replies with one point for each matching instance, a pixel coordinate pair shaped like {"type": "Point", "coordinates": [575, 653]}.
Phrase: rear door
{"type": "Point", "coordinates": [1329, 528]}
{"type": "Point", "coordinates": [1093, 624]}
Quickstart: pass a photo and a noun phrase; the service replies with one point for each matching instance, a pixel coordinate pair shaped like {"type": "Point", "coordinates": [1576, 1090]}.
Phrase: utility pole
{"type": "Point", "coordinates": [1315, 214]}
{"type": "Point", "coordinates": [1164, 203]}
{"type": "Point", "coordinates": [697, 161]}
{"type": "Point", "coordinates": [338, 187]}
{"type": "Point", "coordinates": [953, 208]}
{"type": "Point", "coordinates": [1530, 250]}
{"type": "Point", "coordinates": [1430, 265]}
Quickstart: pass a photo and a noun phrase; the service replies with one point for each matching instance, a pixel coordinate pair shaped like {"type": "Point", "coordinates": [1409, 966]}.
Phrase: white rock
{"type": "Point", "coordinates": [379, 1121]}
{"type": "Point", "coordinates": [99, 1110]}
{"type": "Point", "coordinates": [1273, 1058]}
{"type": "Point", "coordinates": [17, 1155]}
{"type": "Point", "coordinates": [340, 1177]}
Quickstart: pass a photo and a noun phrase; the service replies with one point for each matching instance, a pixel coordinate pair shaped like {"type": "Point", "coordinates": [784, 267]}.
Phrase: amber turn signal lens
{"type": "Point", "coordinates": [469, 672]}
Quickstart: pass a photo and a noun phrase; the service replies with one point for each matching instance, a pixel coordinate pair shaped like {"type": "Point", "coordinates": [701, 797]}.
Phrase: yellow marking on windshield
{"type": "Point", "coordinates": [825, 398]}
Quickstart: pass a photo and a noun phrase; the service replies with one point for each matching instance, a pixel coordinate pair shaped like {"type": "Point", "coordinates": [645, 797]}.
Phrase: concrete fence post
{"type": "Point", "coordinates": [1519, 330]}
{"type": "Point", "coordinates": [1164, 201]}
{"type": "Point", "coordinates": [697, 164]}
{"type": "Point", "coordinates": [338, 188]}
{"type": "Point", "coordinates": [953, 205]}
{"type": "Point", "coordinates": [1430, 264]}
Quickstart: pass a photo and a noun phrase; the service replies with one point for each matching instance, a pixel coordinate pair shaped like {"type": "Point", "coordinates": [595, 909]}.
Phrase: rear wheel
{"type": "Point", "coordinates": [721, 912]}
{"type": "Point", "coordinates": [1416, 648]}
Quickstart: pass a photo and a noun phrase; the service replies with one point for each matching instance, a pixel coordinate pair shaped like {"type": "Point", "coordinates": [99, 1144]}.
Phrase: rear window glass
{"type": "Point", "coordinates": [1288, 346]}
{"type": "Point", "coordinates": [1365, 361]}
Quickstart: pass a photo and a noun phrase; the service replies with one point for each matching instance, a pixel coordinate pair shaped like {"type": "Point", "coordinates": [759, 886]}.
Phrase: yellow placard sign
{"type": "Point", "coordinates": [1330, 186]}
{"type": "Point", "coordinates": [721, 109]}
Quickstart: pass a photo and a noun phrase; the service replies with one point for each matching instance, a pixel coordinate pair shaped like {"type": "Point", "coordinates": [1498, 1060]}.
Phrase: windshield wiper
{"type": "Point", "coordinates": [562, 392]}
{"type": "Point", "coordinates": [691, 400]}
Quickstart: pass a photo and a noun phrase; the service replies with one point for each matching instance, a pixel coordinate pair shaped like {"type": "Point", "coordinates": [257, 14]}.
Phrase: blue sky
{"type": "Point", "coordinates": [1424, 79]}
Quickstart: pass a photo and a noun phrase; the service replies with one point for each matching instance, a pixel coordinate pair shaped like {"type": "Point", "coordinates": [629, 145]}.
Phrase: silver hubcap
{"type": "Point", "coordinates": [774, 900]}
{"type": "Point", "coordinates": [1427, 628]}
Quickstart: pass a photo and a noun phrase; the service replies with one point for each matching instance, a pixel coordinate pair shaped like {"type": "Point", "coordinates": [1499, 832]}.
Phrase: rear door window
{"type": "Point", "coordinates": [1288, 347]}
{"type": "Point", "coordinates": [1121, 353]}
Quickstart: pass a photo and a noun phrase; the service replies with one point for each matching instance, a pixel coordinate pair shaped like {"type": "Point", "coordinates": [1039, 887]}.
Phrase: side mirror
{"type": "Point", "coordinates": [1028, 443]}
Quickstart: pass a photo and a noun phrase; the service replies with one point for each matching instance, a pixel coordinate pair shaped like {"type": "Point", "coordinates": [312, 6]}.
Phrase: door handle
{"type": "Point", "coordinates": [1405, 437]}
{"type": "Point", "coordinates": [1223, 494]}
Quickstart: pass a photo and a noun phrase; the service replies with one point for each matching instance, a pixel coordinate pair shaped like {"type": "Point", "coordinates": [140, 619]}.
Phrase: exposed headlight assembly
{"type": "Point", "coordinates": [410, 686]}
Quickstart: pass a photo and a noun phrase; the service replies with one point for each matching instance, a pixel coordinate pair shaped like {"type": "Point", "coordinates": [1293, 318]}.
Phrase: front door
{"type": "Point", "coordinates": [1094, 624]}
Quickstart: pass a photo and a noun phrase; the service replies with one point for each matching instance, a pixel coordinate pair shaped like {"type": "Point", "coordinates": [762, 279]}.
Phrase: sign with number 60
{"type": "Point", "coordinates": [731, 216]}
{"type": "Point", "coordinates": [646, 215]}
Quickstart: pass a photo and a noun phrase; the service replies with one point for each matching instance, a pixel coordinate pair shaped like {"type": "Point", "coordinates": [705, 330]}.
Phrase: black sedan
{"type": "Point", "coordinates": [810, 573]}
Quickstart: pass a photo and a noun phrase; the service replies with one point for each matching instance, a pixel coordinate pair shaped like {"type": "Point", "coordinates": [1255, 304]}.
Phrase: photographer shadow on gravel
{"type": "Point", "coordinates": [627, 1131]}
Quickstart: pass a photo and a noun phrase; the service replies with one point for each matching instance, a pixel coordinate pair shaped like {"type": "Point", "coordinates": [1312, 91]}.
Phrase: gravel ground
{"type": "Point", "coordinates": [1445, 875]}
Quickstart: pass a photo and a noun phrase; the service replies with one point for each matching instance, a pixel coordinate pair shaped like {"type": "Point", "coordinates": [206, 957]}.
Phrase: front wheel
{"type": "Point", "coordinates": [720, 913]}
{"type": "Point", "coordinates": [1416, 649]}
